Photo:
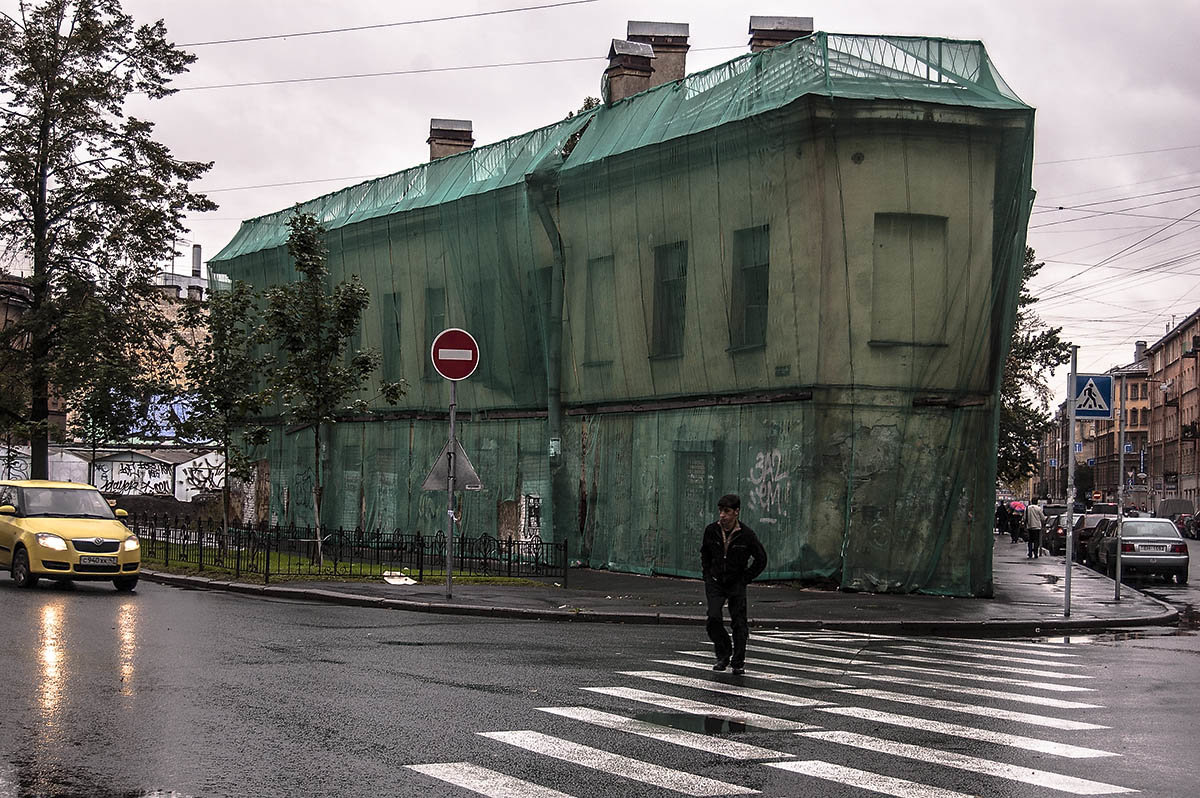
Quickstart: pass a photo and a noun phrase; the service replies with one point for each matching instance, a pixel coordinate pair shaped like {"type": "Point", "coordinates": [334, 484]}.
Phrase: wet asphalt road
{"type": "Point", "coordinates": [169, 692]}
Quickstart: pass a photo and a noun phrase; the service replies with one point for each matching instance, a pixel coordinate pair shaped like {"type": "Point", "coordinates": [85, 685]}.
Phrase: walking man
{"type": "Point", "coordinates": [1034, 521]}
{"type": "Point", "coordinates": [731, 556]}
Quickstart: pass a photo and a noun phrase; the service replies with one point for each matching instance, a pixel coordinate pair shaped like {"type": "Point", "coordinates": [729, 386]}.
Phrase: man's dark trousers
{"type": "Point", "coordinates": [733, 651]}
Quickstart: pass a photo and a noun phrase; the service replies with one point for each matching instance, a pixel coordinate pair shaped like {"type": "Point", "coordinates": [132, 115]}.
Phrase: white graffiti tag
{"type": "Point", "coordinates": [771, 483]}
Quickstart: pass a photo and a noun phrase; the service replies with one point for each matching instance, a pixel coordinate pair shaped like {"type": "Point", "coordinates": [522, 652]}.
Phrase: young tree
{"type": "Point", "coordinates": [225, 376]}
{"type": "Point", "coordinates": [1036, 350]}
{"type": "Point", "coordinates": [86, 193]}
{"type": "Point", "coordinates": [315, 375]}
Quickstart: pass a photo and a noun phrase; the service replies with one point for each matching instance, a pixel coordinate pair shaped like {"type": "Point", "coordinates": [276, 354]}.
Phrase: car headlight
{"type": "Point", "coordinates": [132, 543]}
{"type": "Point", "coordinates": [49, 541]}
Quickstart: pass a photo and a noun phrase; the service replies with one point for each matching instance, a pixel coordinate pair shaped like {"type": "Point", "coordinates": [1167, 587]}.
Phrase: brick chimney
{"type": "Point", "coordinates": [766, 32]}
{"type": "Point", "coordinates": [448, 137]}
{"type": "Point", "coordinates": [1139, 351]}
{"type": "Point", "coordinates": [196, 260]}
{"type": "Point", "coordinates": [669, 40]}
{"type": "Point", "coordinates": [629, 70]}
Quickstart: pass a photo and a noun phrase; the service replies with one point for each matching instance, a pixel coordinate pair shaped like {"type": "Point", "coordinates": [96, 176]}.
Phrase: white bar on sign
{"type": "Point", "coordinates": [485, 782]}
{"type": "Point", "coordinates": [455, 354]}
{"type": "Point", "coordinates": [872, 782]}
{"type": "Point", "coordinates": [617, 765]}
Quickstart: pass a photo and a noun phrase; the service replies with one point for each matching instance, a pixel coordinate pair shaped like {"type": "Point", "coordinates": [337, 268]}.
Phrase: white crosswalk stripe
{"type": "Point", "coordinates": [1026, 646]}
{"type": "Point", "coordinates": [484, 781]}
{"type": "Point", "coordinates": [874, 782]}
{"type": "Point", "coordinates": [863, 652]}
{"type": "Point", "coordinates": [617, 765]}
{"type": "Point", "coordinates": [731, 689]}
{"type": "Point", "coordinates": [796, 680]}
{"type": "Point", "coordinates": [701, 742]}
{"type": "Point", "coordinates": [969, 732]}
{"type": "Point", "coordinates": [973, 709]}
{"type": "Point", "coordinates": [1041, 778]}
{"type": "Point", "coordinates": [988, 655]}
{"type": "Point", "coordinates": [788, 665]}
{"type": "Point", "coordinates": [978, 677]}
{"type": "Point", "coordinates": [981, 692]}
{"type": "Point", "coordinates": [690, 707]}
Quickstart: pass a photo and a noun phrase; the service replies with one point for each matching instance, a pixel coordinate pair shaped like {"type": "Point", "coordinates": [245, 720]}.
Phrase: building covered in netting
{"type": "Point", "coordinates": [792, 276]}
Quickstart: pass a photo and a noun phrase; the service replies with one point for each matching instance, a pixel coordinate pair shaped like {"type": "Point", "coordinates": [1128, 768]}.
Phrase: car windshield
{"type": "Point", "coordinates": [64, 503]}
{"type": "Point", "coordinates": [1149, 529]}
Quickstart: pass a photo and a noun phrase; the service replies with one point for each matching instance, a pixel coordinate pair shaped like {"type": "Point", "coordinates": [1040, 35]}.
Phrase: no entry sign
{"type": "Point", "coordinates": [455, 354]}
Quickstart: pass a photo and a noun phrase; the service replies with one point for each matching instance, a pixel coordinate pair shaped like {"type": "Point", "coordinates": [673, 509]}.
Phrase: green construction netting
{"type": "Point", "coordinates": [792, 276]}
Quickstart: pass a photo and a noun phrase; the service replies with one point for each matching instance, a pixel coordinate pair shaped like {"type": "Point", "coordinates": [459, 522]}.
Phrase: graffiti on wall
{"type": "Point", "coordinates": [206, 475]}
{"type": "Point", "coordinates": [135, 478]}
{"type": "Point", "coordinates": [770, 486]}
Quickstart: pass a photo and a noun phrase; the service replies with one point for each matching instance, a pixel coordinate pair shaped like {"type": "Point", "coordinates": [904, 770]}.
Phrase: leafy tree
{"type": "Point", "coordinates": [86, 193]}
{"type": "Point", "coordinates": [315, 375]}
{"type": "Point", "coordinates": [589, 103]}
{"type": "Point", "coordinates": [1036, 350]}
{"type": "Point", "coordinates": [224, 382]}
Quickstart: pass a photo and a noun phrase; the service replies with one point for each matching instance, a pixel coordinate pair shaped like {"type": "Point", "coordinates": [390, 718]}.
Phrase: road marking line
{"type": "Point", "coordinates": [1040, 778]}
{"type": "Point", "coordinates": [864, 652]}
{"type": "Point", "coordinates": [973, 709]}
{"type": "Point", "coordinates": [730, 689]}
{"type": "Point", "coordinates": [485, 782]}
{"type": "Point", "coordinates": [874, 782]}
{"type": "Point", "coordinates": [786, 665]}
{"type": "Point", "coordinates": [982, 692]}
{"type": "Point", "coordinates": [1047, 649]}
{"type": "Point", "coordinates": [776, 677]}
{"type": "Point", "coordinates": [701, 742]}
{"type": "Point", "coordinates": [986, 655]}
{"type": "Point", "coordinates": [971, 733]}
{"type": "Point", "coordinates": [616, 764]}
{"type": "Point", "coordinates": [690, 707]}
{"type": "Point", "coordinates": [974, 677]}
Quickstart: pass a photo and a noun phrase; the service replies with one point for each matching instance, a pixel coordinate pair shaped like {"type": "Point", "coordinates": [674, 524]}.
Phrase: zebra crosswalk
{"type": "Point", "coordinates": [815, 712]}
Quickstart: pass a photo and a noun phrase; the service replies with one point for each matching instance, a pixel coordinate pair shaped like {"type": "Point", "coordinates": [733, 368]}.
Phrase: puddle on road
{"type": "Point", "coordinates": [701, 724]}
{"type": "Point", "coordinates": [1050, 579]}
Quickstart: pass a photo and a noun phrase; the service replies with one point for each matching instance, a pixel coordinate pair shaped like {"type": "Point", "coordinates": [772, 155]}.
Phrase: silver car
{"type": "Point", "coordinates": [1148, 545]}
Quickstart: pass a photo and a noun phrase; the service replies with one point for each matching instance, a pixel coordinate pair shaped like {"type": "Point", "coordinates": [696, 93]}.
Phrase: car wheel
{"type": "Point", "coordinates": [1111, 569]}
{"type": "Point", "coordinates": [22, 573]}
{"type": "Point", "coordinates": [125, 583]}
{"type": "Point", "coordinates": [1181, 577]}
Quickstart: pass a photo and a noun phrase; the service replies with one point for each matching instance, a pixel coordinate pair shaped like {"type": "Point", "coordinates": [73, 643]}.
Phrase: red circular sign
{"type": "Point", "coordinates": [455, 354]}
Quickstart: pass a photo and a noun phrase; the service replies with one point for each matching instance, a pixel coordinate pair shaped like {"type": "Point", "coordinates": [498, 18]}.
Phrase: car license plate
{"type": "Point", "coordinates": [1153, 547]}
{"type": "Point", "coordinates": [85, 559]}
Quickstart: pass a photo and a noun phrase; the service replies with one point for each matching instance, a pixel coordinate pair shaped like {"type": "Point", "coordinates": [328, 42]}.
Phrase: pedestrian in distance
{"type": "Point", "coordinates": [731, 556]}
{"type": "Point", "coordinates": [1035, 519]}
{"type": "Point", "coordinates": [1014, 524]}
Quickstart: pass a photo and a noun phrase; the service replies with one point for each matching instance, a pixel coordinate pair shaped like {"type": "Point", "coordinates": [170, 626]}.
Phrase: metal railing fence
{"type": "Point", "coordinates": [291, 551]}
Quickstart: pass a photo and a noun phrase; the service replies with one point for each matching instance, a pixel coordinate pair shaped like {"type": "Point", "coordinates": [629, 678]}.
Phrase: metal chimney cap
{"type": "Point", "coordinates": [802, 24]}
{"type": "Point", "coordinates": [450, 124]}
{"type": "Point", "coordinates": [622, 47]}
{"type": "Point", "coordinates": [635, 28]}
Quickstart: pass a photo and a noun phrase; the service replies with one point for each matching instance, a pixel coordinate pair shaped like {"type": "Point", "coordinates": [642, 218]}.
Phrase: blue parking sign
{"type": "Point", "coordinates": [1093, 396]}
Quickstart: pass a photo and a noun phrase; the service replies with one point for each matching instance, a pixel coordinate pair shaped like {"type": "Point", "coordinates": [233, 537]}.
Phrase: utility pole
{"type": "Point", "coordinates": [1070, 551]}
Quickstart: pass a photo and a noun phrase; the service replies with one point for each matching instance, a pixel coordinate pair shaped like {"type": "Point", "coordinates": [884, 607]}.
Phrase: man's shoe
{"type": "Point", "coordinates": [738, 670]}
{"type": "Point", "coordinates": [721, 665]}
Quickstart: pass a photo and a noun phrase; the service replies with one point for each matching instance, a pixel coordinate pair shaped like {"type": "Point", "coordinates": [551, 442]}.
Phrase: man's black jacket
{"type": "Point", "coordinates": [732, 567]}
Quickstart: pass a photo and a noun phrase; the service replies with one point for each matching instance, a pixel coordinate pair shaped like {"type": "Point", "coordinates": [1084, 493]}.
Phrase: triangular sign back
{"type": "Point", "coordinates": [465, 477]}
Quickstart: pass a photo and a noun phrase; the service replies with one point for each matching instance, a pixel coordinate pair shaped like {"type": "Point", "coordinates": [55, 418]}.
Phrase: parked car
{"type": "Point", "coordinates": [1085, 526]}
{"type": "Point", "coordinates": [64, 531]}
{"type": "Point", "coordinates": [1054, 534]}
{"type": "Point", "coordinates": [1148, 545]}
{"type": "Point", "coordinates": [1092, 554]}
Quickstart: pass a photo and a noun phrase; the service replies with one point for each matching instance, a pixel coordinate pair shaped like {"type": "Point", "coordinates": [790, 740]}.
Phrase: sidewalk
{"type": "Point", "coordinates": [1028, 600]}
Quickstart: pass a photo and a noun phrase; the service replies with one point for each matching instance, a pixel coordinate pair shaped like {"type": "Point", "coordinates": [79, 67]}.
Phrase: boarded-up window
{"type": "Point", "coordinates": [601, 310]}
{"type": "Point", "coordinates": [909, 279]}
{"type": "Point", "coordinates": [670, 291]}
{"type": "Point", "coordinates": [435, 322]}
{"type": "Point", "coordinates": [751, 275]}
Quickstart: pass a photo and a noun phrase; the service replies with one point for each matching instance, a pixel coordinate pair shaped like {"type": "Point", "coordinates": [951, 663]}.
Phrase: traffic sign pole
{"type": "Point", "coordinates": [1070, 551]}
{"type": "Point", "coordinates": [450, 492]}
{"type": "Point", "coordinates": [1120, 488]}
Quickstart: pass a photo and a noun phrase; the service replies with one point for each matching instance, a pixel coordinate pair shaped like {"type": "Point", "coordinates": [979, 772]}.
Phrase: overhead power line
{"type": "Point", "coordinates": [1115, 155]}
{"type": "Point", "coordinates": [377, 26]}
{"type": "Point", "coordinates": [428, 70]}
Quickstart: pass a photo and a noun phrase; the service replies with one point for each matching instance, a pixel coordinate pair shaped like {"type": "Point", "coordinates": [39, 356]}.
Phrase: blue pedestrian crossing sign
{"type": "Point", "coordinates": [1093, 396]}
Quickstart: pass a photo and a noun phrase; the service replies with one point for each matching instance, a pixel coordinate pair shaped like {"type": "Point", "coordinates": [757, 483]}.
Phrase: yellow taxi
{"type": "Point", "coordinates": [64, 531]}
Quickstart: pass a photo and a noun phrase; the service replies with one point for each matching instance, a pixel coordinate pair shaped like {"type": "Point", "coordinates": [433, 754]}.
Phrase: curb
{"type": "Point", "coordinates": [951, 628]}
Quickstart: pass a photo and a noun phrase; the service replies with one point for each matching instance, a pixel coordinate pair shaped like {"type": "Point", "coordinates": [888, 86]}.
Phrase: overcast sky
{"type": "Point", "coordinates": [1114, 85]}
